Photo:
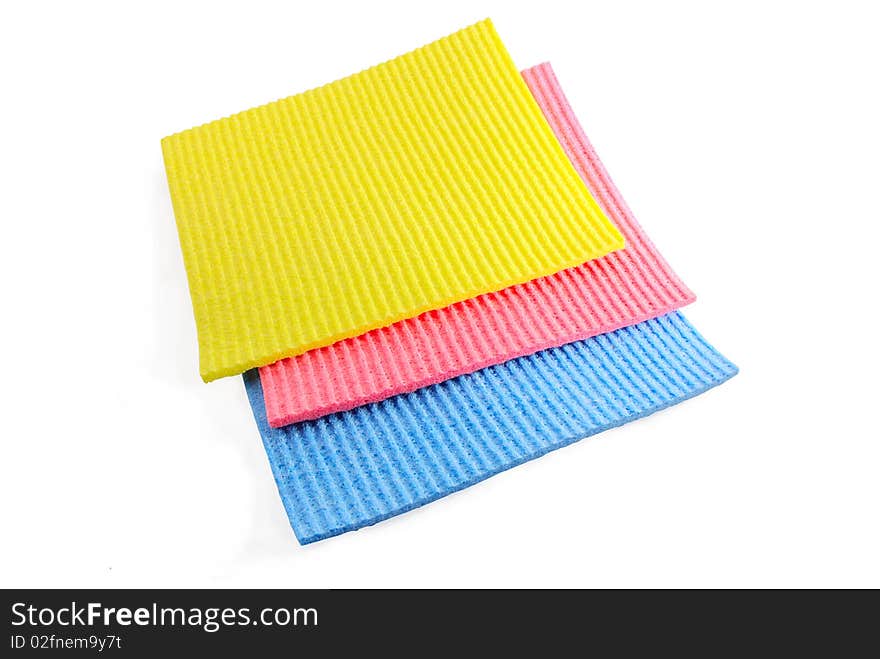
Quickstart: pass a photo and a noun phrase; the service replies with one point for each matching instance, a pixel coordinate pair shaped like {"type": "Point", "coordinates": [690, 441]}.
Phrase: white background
{"type": "Point", "coordinates": [745, 139]}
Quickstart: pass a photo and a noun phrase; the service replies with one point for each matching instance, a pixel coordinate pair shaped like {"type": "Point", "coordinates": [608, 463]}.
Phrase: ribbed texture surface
{"type": "Point", "coordinates": [355, 468]}
{"type": "Point", "coordinates": [617, 290]}
{"type": "Point", "coordinates": [407, 187]}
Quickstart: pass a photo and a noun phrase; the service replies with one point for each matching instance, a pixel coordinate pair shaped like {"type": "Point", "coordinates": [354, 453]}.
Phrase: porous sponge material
{"type": "Point", "coordinates": [355, 468]}
{"type": "Point", "coordinates": [426, 180]}
{"type": "Point", "coordinates": [620, 289]}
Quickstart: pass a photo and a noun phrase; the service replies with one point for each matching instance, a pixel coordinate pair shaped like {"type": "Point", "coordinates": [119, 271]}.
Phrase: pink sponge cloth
{"type": "Point", "coordinates": [617, 290]}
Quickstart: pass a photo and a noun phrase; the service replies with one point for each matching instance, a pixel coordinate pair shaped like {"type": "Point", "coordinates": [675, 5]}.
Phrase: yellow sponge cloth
{"type": "Point", "coordinates": [421, 182]}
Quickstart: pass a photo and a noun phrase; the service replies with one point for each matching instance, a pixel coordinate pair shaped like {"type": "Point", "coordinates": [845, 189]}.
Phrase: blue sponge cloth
{"type": "Point", "coordinates": [355, 468]}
